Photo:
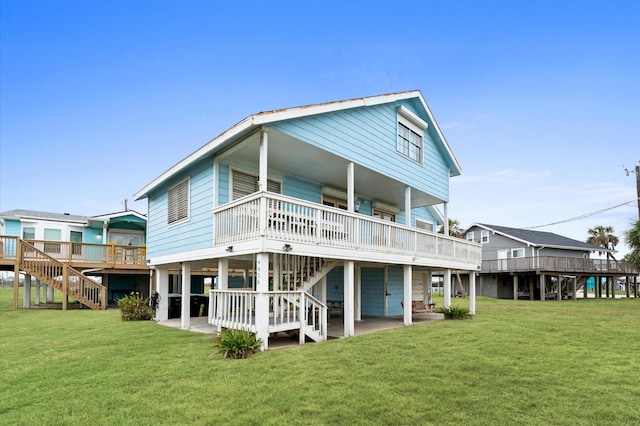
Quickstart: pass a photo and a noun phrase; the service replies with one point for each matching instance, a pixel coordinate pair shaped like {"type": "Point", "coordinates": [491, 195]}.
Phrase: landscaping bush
{"type": "Point", "coordinates": [237, 343]}
{"type": "Point", "coordinates": [455, 312]}
{"type": "Point", "coordinates": [134, 308]}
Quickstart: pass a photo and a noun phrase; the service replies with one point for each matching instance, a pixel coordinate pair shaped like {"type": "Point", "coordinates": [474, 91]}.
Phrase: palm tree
{"type": "Point", "coordinates": [603, 236]}
{"type": "Point", "coordinates": [632, 238]}
{"type": "Point", "coordinates": [454, 228]}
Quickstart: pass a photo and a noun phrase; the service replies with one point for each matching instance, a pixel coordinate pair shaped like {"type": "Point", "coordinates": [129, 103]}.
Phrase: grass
{"type": "Point", "coordinates": [516, 362]}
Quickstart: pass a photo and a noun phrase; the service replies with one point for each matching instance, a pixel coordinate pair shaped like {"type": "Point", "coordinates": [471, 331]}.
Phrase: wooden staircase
{"type": "Point", "coordinates": [61, 276]}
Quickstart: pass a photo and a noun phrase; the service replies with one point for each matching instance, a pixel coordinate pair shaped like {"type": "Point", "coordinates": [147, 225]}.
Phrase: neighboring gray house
{"type": "Point", "coordinates": [516, 261]}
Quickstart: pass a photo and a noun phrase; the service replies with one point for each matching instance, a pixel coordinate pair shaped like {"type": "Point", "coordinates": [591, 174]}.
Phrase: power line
{"type": "Point", "coordinates": [583, 216]}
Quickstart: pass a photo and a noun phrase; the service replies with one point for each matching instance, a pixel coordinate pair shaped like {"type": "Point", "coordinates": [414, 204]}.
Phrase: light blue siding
{"type": "Point", "coordinates": [368, 136]}
{"type": "Point", "coordinates": [372, 291]}
{"type": "Point", "coordinates": [13, 228]}
{"type": "Point", "coordinates": [395, 287]}
{"type": "Point", "coordinates": [302, 189]}
{"type": "Point", "coordinates": [223, 183]}
{"type": "Point", "coordinates": [91, 236]}
{"type": "Point", "coordinates": [335, 284]}
{"type": "Point", "coordinates": [197, 232]}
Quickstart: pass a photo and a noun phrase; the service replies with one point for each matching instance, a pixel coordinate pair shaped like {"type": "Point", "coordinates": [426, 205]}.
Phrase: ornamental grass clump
{"type": "Point", "coordinates": [133, 307]}
{"type": "Point", "coordinates": [455, 312]}
{"type": "Point", "coordinates": [237, 344]}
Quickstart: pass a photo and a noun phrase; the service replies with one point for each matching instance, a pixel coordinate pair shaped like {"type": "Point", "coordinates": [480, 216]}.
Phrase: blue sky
{"type": "Point", "coordinates": [539, 100]}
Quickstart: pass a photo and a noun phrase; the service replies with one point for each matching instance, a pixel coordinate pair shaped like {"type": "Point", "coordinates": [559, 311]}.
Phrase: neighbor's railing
{"type": "Point", "coordinates": [292, 220]}
{"type": "Point", "coordinates": [557, 264]}
{"type": "Point", "coordinates": [65, 251]}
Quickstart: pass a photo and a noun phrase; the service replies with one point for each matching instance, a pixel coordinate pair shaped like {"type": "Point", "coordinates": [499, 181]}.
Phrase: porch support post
{"type": "Point", "coordinates": [472, 292]}
{"type": "Point", "coordinates": [223, 274]}
{"type": "Point", "coordinates": [162, 287]}
{"type": "Point", "coordinates": [559, 290]}
{"type": "Point", "coordinates": [262, 300]}
{"type": "Point", "coordinates": [185, 312]}
{"type": "Point", "coordinates": [349, 326]}
{"type": "Point", "coordinates": [26, 296]}
{"type": "Point", "coordinates": [65, 288]}
{"type": "Point", "coordinates": [16, 285]}
{"type": "Point", "coordinates": [543, 287]}
{"type": "Point", "coordinates": [407, 206]}
{"type": "Point", "coordinates": [627, 282]}
{"type": "Point", "coordinates": [358, 293]}
{"type": "Point", "coordinates": [38, 286]}
{"type": "Point", "coordinates": [446, 220]}
{"type": "Point", "coordinates": [515, 287]}
{"type": "Point", "coordinates": [408, 293]}
{"type": "Point", "coordinates": [264, 149]}
{"type": "Point", "coordinates": [350, 187]}
{"type": "Point", "coordinates": [447, 287]}
{"type": "Point", "coordinates": [575, 288]}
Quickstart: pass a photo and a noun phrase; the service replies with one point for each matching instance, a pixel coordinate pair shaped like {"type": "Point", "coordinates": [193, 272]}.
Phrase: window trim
{"type": "Point", "coordinates": [187, 216]}
{"type": "Point", "coordinates": [515, 250]}
{"type": "Point", "coordinates": [415, 125]}
{"type": "Point", "coordinates": [424, 225]}
{"type": "Point", "coordinates": [484, 236]}
{"type": "Point", "coordinates": [469, 236]}
{"type": "Point", "coordinates": [382, 213]}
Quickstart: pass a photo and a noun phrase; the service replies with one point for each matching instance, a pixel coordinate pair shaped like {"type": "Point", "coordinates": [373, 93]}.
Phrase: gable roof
{"type": "Point", "coordinates": [260, 119]}
{"type": "Point", "coordinates": [541, 238]}
{"type": "Point", "coordinates": [18, 214]}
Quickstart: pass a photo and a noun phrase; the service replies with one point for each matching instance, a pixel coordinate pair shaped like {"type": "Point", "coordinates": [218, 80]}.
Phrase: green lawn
{"type": "Point", "coordinates": [515, 362]}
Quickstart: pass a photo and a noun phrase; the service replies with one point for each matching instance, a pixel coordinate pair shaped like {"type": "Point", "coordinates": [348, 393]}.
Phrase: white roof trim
{"type": "Point", "coordinates": [267, 117]}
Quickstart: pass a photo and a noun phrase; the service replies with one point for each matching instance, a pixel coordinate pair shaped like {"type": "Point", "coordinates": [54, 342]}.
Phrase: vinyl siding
{"type": "Point", "coordinates": [13, 228]}
{"type": "Point", "coordinates": [302, 189]}
{"type": "Point", "coordinates": [195, 233]}
{"type": "Point", "coordinates": [367, 136]}
{"type": "Point", "coordinates": [372, 291]}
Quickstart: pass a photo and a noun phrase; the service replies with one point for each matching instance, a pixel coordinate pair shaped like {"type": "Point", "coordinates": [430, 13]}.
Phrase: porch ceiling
{"type": "Point", "coordinates": [290, 156]}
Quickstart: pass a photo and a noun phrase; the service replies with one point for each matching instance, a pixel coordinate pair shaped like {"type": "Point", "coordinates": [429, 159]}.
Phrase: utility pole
{"type": "Point", "coordinates": [637, 172]}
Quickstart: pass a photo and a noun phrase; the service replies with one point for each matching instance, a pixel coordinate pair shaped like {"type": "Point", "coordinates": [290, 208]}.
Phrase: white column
{"type": "Point", "coordinates": [358, 293]}
{"type": "Point", "coordinates": [185, 311]}
{"type": "Point", "coordinates": [38, 286]}
{"type": "Point", "coordinates": [472, 292]}
{"type": "Point", "coordinates": [322, 294]}
{"type": "Point", "coordinates": [559, 290]}
{"type": "Point", "coordinates": [543, 287]}
{"type": "Point", "coordinates": [264, 149]}
{"type": "Point", "coordinates": [407, 206]}
{"type": "Point", "coordinates": [162, 287]}
{"type": "Point", "coordinates": [515, 287]}
{"type": "Point", "coordinates": [26, 296]}
{"type": "Point", "coordinates": [348, 315]}
{"type": "Point", "coordinates": [446, 219]}
{"type": "Point", "coordinates": [223, 274]}
{"type": "Point", "coordinates": [350, 187]}
{"type": "Point", "coordinates": [262, 299]}
{"type": "Point", "coordinates": [447, 288]}
{"type": "Point", "coordinates": [50, 290]}
{"type": "Point", "coordinates": [408, 293]}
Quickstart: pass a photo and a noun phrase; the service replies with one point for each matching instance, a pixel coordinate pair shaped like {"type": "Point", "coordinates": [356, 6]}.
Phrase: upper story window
{"type": "Point", "coordinates": [244, 184]}
{"type": "Point", "coordinates": [484, 236]}
{"type": "Point", "coordinates": [29, 233]}
{"type": "Point", "coordinates": [519, 252]}
{"type": "Point", "coordinates": [334, 202]}
{"type": "Point", "coordinates": [381, 214]}
{"type": "Point", "coordinates": [469, 236]}
{"type": "Point", "coordinates": [178, 203]}
{"type": "Point", "coordinates": [410, 135]}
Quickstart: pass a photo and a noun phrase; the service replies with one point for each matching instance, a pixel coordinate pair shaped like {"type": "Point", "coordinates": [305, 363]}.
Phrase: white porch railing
{"type": "Point", "coordinates": [288, 310]}
{"type": "Point", "coordinates": [274, 216]}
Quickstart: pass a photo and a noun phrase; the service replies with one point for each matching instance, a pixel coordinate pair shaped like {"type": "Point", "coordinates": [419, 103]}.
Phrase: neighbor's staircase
{"type": "Point", "coordinates": [301, 273]}
{"type": "Point", "coordinates": [62, 277]}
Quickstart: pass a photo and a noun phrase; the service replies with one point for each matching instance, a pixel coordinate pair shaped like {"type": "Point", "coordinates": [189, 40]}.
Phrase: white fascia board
{"type": "Point", "coordinates": [528, 243]}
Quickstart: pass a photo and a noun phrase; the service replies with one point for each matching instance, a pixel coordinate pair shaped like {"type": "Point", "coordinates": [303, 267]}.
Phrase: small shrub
{"type": "Point", "coordinates": [455, 312]}
{"type": "Point", "coordinates": [134, 308]}
{"type": "Point", "coordinates": [237, 343]}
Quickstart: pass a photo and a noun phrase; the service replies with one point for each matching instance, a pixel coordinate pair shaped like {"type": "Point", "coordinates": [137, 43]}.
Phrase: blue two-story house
{"type": "Point", "coordinates": [298, 209]}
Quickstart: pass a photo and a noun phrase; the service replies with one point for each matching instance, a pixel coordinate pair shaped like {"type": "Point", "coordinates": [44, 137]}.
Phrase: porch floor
{"type": "Point", "coordinates": [335, 327]}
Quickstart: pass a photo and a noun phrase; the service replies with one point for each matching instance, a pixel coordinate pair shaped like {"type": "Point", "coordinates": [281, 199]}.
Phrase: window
{"type": "Point", "coordinates": [484, 236]}
{"type": "Point", "coordinates": [76, 242]}
{"type": "Point", "coordinates": [52, 235]}
{"type": "Point", "coordinates": [469, 236]}
{"type": "Point", "coordinates": [421, 224]}
{"type": "Point", "coordinates": [29, 233]}
{"type": "Point", "coordinates": [178, 203]}
{"type": "Point", "coordinates": [245, 183]}
{"type": "Point", "coordinates": [519, 252]}
{"type": "Point", "coordinates": [410, 134]}
{"type": "Point", "coordinates": [380, 214]}
{"type": "Point", "coordinates": [334, 202]}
